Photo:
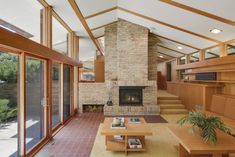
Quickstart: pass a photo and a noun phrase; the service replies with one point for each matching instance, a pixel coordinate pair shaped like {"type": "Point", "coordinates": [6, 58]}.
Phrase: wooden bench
{"type": "Point", "coordinates": [223, 106]}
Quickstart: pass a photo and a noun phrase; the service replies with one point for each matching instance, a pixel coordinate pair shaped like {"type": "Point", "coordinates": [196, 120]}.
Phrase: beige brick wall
{"type": "Point", "coordinates": [152, 56]}
{"type": "Point", "coordinates": [92, 93]}
{"type": "Point", "coordinates": [111, 47]}
{"type": "Point", "coordinates": [129, 61]}
{"type": "Point", "coordinates": [132, 49]}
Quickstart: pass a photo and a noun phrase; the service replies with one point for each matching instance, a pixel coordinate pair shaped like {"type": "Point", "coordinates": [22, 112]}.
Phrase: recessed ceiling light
{"type": "Point", "coordinates": [161, 56]}
{"type": "Point", "coordinates": [215, 31]}
{"type": "Point", "coordinates": [179, 47]}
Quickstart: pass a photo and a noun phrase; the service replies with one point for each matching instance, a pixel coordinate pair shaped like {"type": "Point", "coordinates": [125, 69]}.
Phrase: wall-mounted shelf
{"type": "Point", "coordinates": [210, 81]}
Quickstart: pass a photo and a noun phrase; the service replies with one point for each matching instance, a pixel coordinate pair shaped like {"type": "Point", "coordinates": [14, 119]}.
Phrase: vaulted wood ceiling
{"type": "Point", "coordinates": [185, 23]}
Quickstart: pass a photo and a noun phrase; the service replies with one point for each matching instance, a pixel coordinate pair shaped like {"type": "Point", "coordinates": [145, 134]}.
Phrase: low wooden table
{"type": "Point", "coordinates": [192, 144]}
{"type": "Point", "coordinates": [132, 130]}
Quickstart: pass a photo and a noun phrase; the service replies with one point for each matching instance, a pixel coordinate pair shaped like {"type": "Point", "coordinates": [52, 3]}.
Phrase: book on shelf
{"type": "Point", "coordinates": [134, 120]}
{"type": "Point", "coordinates": [118, 123]}
{"type": "Point", "coordinates": [118, 137]}
{"type": "Point", "coordinates": [134, 143]}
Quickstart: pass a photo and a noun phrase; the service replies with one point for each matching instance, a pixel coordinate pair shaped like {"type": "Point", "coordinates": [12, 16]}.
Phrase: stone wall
{"type": "Point", "coordinates": [92, 93]}
{"type": "Point", "coordinates": [132, 51]}
{"type": "Point", "coordinates": [111, 47]}
{"type": "Point", "coordinates": [152, 56]}
{"type": "Point", "coordinates": [129, 61]}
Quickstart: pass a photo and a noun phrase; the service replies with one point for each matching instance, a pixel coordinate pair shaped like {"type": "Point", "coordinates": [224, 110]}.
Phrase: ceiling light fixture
{"type": "Point", "coordinates": [215, 31]}
{"type": "Point", "coordinates": [179, 47]}
{"type": "Point", "coordinates": [161, 56]}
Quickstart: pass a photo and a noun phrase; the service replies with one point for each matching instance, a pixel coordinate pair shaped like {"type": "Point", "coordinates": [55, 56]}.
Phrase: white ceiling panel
{"type": "Point", "coordinates": [168, 52]}
{"type": "Point", "coordinates": [174, 46]}
{"type": "Point", "coordinates": [65, 11]}
{"type": "Point", "coordinates": [167, 31]}
{"type": "Point", "coordinates": [87, 50]}
{"type": "Point", "coordinates": [98, 32]}
{"type": "Point", "coordinates": [89, 7]}
{"type": "Point", "coordinates": [102, 19]}
{"type": "Point", "coordinates": [164, 56]}
{"type": "Point", "coordinates": [224, 8]}
{"type": "Point", "coordinates": [179, 17]}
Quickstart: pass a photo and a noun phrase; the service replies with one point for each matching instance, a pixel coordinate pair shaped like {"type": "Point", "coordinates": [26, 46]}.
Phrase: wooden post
{"type": "Point", "coordinates": [202, 55]}
{"type": "Point", "coordinates": [223, 50]}
{"type": "Point", "coordinates": [71, 43]}
{"type": "Point", "coordinates": [76, 48]}
{"type": "Point", "coordinates": [49, 98]}
{"type": "Point", "coordinates": [187, 59]}
{"type": "Point", "coordinates": [22, 106]}
{"type": "Point", "coordinates": [72, 91]}
{"type": "Point", "coordinates": [75, 89]}
{"type": "Point", "coordinates": [47, 27]}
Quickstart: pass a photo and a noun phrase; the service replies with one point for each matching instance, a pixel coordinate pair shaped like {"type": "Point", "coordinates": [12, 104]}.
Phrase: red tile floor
{"type": "Point", "coordinates": [75, 139]}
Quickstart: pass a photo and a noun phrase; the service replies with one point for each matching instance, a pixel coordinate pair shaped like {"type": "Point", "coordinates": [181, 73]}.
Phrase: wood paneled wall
{"type": "Point", "coordinates": [162, 73]}
{"type": "Point", "coordinates": [194, 94]}
{"type": "Point", "coordinates": [161, 68]}
{"type": "Point", "coordinates": [99, 70]}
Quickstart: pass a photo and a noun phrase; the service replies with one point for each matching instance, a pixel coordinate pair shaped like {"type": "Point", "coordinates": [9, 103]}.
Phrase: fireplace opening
{"type": "Point", "coordinates": [130, 96]}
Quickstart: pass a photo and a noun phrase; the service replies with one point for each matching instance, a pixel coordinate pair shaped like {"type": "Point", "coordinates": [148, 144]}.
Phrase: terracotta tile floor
{"type": "Point", "coordinates": [75, 139]}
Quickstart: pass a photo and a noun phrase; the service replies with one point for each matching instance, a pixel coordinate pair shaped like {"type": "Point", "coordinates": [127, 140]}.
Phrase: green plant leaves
{"type": "Point", "coordinates": [207, 124]}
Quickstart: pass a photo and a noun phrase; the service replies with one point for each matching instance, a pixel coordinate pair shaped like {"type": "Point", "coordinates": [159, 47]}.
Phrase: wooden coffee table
{"type": "Point", "coordinates": [192, 144]}
{"type": "Point", "coordinates": [132, 130]}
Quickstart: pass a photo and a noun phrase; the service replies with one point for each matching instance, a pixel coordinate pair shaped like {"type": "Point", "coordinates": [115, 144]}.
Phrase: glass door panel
{"type": "Point", "coordinates": [35, 101]}
{"type": "Point", "coordinates": [66, 92]}
{"type": "Point", "coordinates": [9, 72]}
{"type": "Point", "coordinates": [56, 103]}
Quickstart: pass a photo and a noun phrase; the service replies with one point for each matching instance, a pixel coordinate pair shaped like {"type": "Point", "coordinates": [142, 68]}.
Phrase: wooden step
{"type": "Point", "coordinates": [174, 111]}
{"type": "Point", "coordinates": [172, 106]}
{"type": "Point", "coordinates": [169, 101]}
{"type": "Point", "coordinates": [168, 98]}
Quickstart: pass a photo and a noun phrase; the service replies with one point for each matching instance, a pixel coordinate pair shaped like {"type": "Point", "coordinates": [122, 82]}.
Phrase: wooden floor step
{"type": "Point", "coordinates": [168, 98]}
{"type": "Point", "coordinates": [174, 111]}
{"type": "Point", "coordinates": [172, 106]}
{"type": "Point", "coordinates": [169, 101]}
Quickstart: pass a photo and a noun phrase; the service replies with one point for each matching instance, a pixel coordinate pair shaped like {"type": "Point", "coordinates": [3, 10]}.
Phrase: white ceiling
{"type": "Point", "coordinates": [17, 13]}
{"type": "Point", "coordinates": [222, 8]}
{"type": "Point", "coordinates": [152, 8]}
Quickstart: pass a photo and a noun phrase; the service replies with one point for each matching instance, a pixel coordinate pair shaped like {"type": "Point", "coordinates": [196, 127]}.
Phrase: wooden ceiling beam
{"type": "Point", "coordinates": [93, 29]}
{"type": "Point", "coordinates": [200, 12]}
{"type": "Point", "coordinates": [168, 25]}
{"type": "Point", "coordinates": [83, 21]}
{"type": "Point", "coordinates": [100, 13]}
{"type": "Point", "coordinates": [177, 42]}
{"type": "Point", "coordinates": [45, 4]}
{"type": "Point", "coordinates": [99, 37]}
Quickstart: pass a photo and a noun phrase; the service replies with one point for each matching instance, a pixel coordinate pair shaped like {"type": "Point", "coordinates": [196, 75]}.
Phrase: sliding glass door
{"type": "Point", "coordinates": [9, 83]}
{"type": "Point", "coordinates": [35, 101]}
{"type": "Point", "coordinates": [56, 95]}
{"type": "Point", "coordinates": [66, 92]}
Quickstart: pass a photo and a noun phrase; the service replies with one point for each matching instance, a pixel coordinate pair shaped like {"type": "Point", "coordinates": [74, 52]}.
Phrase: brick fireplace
{"type": "Point", "coordinates": [130, 64]}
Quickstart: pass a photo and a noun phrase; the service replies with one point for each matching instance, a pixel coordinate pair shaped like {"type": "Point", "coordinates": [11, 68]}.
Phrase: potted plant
{"type": "Point", "coordinates": [207, 124]}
